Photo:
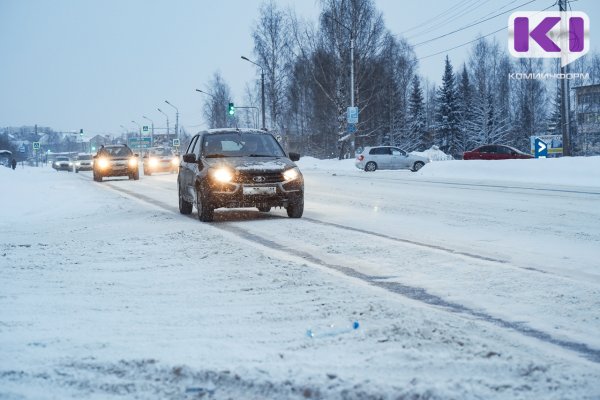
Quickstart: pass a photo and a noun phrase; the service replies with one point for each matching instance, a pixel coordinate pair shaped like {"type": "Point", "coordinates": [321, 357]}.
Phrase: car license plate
{"type": "Point", "coordinates": [250, 190]}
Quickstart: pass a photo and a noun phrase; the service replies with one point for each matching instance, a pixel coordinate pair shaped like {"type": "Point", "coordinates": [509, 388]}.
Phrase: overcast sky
{"type": "Point", "coordinates": [99, 64]}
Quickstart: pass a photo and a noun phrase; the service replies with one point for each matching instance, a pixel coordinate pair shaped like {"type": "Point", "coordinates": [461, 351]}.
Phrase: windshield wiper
{"type": "Point", "coordinates": [216, 155]}
{"type": "Point", "coordinates": [262, 155]}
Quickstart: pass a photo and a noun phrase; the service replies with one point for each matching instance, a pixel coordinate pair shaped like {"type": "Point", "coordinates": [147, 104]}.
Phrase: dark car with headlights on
{"type": "Point", "coordinates": [236, 168]}
{"type": "Point", "coordinates": [160, 159]}
{"type": "Point", "coordinates": [115, 160]}
{"type": "Point", "coordinates": [62, 164]}
{"type": "Point", "coordinates": [495, 152]}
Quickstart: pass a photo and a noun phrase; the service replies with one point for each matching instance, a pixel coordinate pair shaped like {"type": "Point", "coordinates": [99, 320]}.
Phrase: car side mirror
{"type": "Point", "coordinates": [189, 158]}
{"type": "Point", "coordinates": [294, 156]}
{"type": "Point", "coordinates": [136, 155]}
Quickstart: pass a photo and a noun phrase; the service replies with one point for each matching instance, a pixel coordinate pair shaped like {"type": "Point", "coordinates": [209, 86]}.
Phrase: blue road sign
{"type": "Point", "coordinates": [541, 148]}
{"type": "Point", "coordinates": [351, 128]}
{"type": "Point", "coordinates": [352, 115]}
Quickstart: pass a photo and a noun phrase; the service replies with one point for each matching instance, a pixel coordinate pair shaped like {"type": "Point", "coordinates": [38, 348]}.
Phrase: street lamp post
{"type": "Point", "coordinates": [176, 119]}
{"type": "Point", "coordinates": [139, 135]}
{"type": "Point", "coordinates": [152, 131]}
{"type": "Point", "coordinates": [262, 89]}
{"type": "Point", "coordinates": [163, 113]}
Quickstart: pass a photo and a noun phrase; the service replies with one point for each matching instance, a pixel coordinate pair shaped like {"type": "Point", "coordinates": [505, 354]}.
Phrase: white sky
{"type": "Point", "coordinates": [98, 65]}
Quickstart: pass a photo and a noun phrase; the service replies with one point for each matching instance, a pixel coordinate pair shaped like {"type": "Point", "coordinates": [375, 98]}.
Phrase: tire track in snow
{"type": "Point", "coordinates": [411, 292]}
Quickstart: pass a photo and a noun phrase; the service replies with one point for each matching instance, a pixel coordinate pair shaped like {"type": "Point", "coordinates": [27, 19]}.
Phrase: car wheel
{"type": "Point", "coordinates": [185, 207]}
{"type": "Point", "coordinates": [147, 173]}
{"type": "Point", "coordinates": [76, 171]}
{"type": "Point", "coordinates": [206, 212]}
{"type": "Point", "coordinates": [417, 166]}
{"type": "Point", "coordinates": [371, 166]}
{"type": "Point", "coordinates": [264, 209]}
{"type": "Point", "coordinates": [136, 175]}
{"type": "Point", "coordinates": [97, 177]}
{"type": "Point", "coordinates": [295, 210]}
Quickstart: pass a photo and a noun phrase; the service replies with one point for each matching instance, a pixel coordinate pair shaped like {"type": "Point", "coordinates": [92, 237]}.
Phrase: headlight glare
{"type": "Point", "coordinates": [222, 175]}
{"type": "Point", "coordinates": [291, 174]}
{"type": "Point", "coordinates": [133, 162]}
{"type": "Point", "coordinates": [103, 163]}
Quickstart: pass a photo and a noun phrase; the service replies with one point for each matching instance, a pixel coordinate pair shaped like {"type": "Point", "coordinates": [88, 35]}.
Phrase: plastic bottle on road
{"type": "Point", "coordinates": [332, 330]}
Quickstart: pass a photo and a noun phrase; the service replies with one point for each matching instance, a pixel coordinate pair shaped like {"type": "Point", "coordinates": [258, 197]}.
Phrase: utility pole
{"type": "Point", "coordinates": [176, 119]}
{"type": "Point", "coordinates": [564, 84]}
{"type": "Point", "coordinates": [163, 113]}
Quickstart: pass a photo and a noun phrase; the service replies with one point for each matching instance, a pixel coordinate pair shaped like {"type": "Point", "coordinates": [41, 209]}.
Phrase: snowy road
{"type": "Point", "coordinates": [463, 289]}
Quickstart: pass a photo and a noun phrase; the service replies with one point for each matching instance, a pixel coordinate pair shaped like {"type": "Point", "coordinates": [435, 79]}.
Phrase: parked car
{"type": "Point", "coordinates": [388, 157]}
{"type": "Point", "coordinates": [238, 168]}
{"type": "Point", "coordinates": [160, 159]}
{"type": "Point", "coordinates": [115, 160]}
{"type": "Point", "coordinates": [84, 162]}
{"type": "Point", "coordinates": [62, 163]}
{"type": "Point", "coordinates": [494, 152]}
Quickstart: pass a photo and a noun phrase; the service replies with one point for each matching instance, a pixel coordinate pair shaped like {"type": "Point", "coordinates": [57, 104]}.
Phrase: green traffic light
{"type": "Point", "coordinates": [231, 109]}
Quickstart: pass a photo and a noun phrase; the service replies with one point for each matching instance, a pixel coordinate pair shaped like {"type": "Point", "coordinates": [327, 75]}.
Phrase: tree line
{"type": "Point", "coordinates": [307, 87]}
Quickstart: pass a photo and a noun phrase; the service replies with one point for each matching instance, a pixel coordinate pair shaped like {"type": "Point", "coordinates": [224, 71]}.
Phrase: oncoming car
{"type": "Point", "coordinates": [84, 162]}
{"type": "Point", "coordinates": [115, 160]}
{"type": "Point", "coordinates": [235, 168]}
{"type": "Point", "coordinates": [388, 157]}
{"type": "Point", "coordinates": [62, 163]}
{"type": "Point", "coordinates": [160, 159]}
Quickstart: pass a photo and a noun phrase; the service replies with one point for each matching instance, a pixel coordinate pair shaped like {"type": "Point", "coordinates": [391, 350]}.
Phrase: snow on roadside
{"type": "Point", "coordinates": [103, 296]}
{"type": "Point", "coordinates": [565, 171]}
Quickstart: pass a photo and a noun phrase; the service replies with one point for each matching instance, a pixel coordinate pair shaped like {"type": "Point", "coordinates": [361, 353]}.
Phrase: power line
{"type": "Point", "coordinates": [475, 40]}
{"type": "Point", "coordinates": [449, 20]}
{"type": "Point", "coordinates": [472, 25]}
{"type": "Point", "coordinates": [427, 22]}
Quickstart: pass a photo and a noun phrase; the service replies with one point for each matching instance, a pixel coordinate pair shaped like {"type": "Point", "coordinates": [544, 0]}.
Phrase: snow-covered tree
{"type": "Point", "coordinates": [417, 129]}
{"type": "Point", "coordinates": [447, 116]}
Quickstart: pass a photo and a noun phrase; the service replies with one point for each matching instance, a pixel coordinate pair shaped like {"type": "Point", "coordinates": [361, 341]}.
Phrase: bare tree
{"type": "Point", "coordinates": [215, 105]}
{"type": "Point", "coordinates": [272, 45]}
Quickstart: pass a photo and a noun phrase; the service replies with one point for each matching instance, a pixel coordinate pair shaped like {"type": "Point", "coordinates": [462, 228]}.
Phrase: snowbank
{"type": "Point", "coordinates": [565, 171]}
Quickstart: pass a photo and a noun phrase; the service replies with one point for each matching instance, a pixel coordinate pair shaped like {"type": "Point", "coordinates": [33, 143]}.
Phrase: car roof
{"type": "Point", "coordinates": [230, 130]}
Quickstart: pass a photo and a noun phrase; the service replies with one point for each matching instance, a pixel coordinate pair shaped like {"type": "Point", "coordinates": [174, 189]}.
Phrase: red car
{"type": "Point", "coordinates": [494, 152]}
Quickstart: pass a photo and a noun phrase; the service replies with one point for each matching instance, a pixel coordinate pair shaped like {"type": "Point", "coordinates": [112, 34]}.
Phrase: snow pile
{"type": "Point", "coordinates": [434, 154]}
{"type": "Point", "coordinates": [565, 171]}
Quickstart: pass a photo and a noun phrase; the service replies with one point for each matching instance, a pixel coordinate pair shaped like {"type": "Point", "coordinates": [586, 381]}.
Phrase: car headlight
{"type": "Point", "coordinates": [222, 175]}
{"type": "Point", "coordinates": [78, 163]}
{"type": "Point", "coordinates": [103, 163]}
{"type": "Point", "coordinates": [153, 162]}
{"type": "Point", "coordinates": [133, 162]}
{"type": "Point", "coordinates": [291, 174]}
{"type": "Point", "coordinates": [175, 161]}
{"type": "Point", "coordinates": [70, 164]}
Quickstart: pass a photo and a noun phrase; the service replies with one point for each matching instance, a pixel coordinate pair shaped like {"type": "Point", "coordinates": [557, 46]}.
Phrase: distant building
{"type": "Point", "coordinates": [587, 111]}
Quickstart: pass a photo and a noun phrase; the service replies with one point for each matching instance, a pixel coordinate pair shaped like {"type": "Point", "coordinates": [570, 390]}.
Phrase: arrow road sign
{"type": "Point", "coordinates": [541, 148]}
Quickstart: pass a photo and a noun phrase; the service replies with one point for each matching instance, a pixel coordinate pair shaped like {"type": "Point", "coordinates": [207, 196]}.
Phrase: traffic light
{"type": "Point", "coordinates": [81, 132]}
{"type": "Point", "coordinates": [231, 109]}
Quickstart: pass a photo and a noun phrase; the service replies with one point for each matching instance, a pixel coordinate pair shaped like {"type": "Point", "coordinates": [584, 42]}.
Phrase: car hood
{"type": "Point", "coordinates": [259, 164]}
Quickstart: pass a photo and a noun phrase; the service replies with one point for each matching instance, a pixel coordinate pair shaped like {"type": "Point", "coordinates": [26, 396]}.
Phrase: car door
{"type": "Point", "coordinates": [187, 170]}
{"type": "Point", "coordinates": [382, 156]}
{"type": "Point", "coordinates": [399, 159]}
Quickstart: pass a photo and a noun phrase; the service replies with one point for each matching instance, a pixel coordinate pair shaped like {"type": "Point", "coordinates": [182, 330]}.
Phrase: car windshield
{"type": "Point", "coordinates": [117, 151]}
{"type": "Point", "coordinates": [84, 157]}
{"type": "Point", "coordinates": [237, 144]}
{"type": "Point", "coordinates": [161, 152]}
{"type": "Point", "coordinates": [62, 159]}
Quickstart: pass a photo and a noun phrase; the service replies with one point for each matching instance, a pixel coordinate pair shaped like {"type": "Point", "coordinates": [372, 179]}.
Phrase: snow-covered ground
{"type": "Point", "coordinates": [469, 279]}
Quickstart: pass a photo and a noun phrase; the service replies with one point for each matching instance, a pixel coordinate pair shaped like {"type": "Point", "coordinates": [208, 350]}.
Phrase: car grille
{"type": "Point", "coordinates": [259, 177]}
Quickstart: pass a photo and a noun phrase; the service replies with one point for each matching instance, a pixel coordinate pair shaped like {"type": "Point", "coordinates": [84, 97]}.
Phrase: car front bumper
{"type": "Point", "coordinates": [236, 195]}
